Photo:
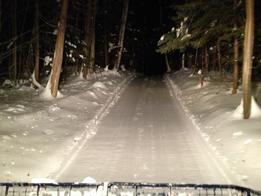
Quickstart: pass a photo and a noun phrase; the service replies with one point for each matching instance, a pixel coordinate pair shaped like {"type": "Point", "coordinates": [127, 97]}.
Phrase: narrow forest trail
{"type": "Point", "coordinates": [146, 137]}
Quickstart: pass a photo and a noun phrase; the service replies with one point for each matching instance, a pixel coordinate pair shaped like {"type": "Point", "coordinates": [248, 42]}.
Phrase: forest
{"type": "Point", "coordinates": [94, 92]}
{"type": "Point", "coordinates": [51, 40]}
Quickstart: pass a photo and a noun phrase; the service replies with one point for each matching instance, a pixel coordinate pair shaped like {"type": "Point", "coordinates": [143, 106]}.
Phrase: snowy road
{"type": "Point", "coordinates": [146, 137]}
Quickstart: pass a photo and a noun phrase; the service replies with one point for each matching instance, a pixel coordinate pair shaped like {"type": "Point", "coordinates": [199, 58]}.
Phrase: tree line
{"type": "Point", "coordinates": [215, 36]}
{"type": "Point", "coordinates": [46, 38]}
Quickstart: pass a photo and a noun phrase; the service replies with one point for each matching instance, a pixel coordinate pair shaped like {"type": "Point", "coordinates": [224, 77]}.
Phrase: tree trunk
{"type": "Point", "coordinates": [59, 47]}
{"type": "Point", "coordinates": [1, 30]}
{"type": "Point", "coordinates": [106, 53]}
{"type": "Point", "coordinates": [122, 32]}
{"type": "Point", "coordinates": [89, 36]}
{"type": "Point", "coordinates": [214, 61]}
{"type": "Point", "coordinates": [196, 61]}
{"type": "Point", "coordinates": [92, 54]}
{"type": "Point", "coordinates": [36, 43]}
{"type": "Point", "coordinates": [236, 55]}
{"type": "Point", "coordinates": [219, 61]}
{"type": "Point", "coordinates": [235, 67]}
{"type": "Point", "coordinates": [183, 61]}
{"type": "Point", "coordinates": [167, 63]}
{"type": "Point", "coordinates": [247, 58]}
{"type": "Point", "coordinates": [13, 65]}
{"type": "Point", "coordinates": [206, 61]}
{"type": "Point", "coordinates": [202, 60]}
{"type": "Point", "coordinates": [0, 16]}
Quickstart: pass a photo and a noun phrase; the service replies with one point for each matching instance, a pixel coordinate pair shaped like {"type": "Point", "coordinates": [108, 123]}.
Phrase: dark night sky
{"type": "Point", "coordinates": [143, 15]}
{"type": "Point", "coordinates": [153, 19]}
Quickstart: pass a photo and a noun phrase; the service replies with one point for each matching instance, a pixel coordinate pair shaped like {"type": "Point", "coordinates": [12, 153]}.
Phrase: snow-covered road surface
{"type": "Point", "coordinates": [146, 137]}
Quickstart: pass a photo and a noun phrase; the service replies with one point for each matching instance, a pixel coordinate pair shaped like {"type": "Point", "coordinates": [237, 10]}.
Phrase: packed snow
{"type": "Point", "coordinates": [115, 128]}
{"type": "Point", "coordinates": [145, 138]}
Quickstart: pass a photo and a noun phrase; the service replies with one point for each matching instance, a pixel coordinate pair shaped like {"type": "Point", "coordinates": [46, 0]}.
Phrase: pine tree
{"type": "Point", "coordinates": [208, 23]}
{"type": "Point", "coordinates": [247, 58]}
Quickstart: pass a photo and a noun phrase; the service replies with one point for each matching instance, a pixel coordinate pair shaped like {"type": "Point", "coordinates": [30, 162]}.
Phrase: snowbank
{"type": "Point", "coordinates": [39, 134]}
{"type": "Point", "coordinates": [255, 110]}
{"type": "Point", "coordinates": [216, 114]}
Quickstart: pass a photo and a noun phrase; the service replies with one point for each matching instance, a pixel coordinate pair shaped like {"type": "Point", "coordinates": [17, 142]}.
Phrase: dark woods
{"type": "Point", "coordinates": [68, 37]}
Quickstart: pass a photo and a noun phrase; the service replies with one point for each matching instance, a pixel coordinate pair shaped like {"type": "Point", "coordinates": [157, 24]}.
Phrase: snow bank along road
{"type": "Point", "coordinates": [146, 137]}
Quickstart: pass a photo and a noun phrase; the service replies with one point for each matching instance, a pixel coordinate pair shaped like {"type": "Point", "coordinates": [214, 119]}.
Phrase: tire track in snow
{"type": "Point", "coordinates": [91, 128]}
{"type": "Point", "coordinates": [206, 146]}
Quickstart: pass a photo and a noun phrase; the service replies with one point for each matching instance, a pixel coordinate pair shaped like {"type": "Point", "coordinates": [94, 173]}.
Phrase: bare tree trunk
{"type": "Point", "coordinates": [236, 55]}
{"type": "Point", "coordinates": [214, 62]}
{"type": "Point", "coordinates": [202, 60]}
{"type": "Point", "coordinates": [122, 32]}
{"type": "Point", "coordinates": [106, 53]}
{"type": "Point", "coordinates": [183, 61]}
{"type": "Point", "coordinates": [89, 36]}
{"type": "Point", "coordinates": [59, 47]}
{"type": "Point", "coordinates": [167, 63]}
{"type": "Point", "coordinates": [196, 61]}
{"type": "Point", "coordinates": [36, 43]}
{"type": "Point", "coordinates": [206, 62]}
{"type": "Point", "coordinates": [247, 58]}
{"type": "Point", "coordinates": [0, 16]}
{"type": "Point", "coordinates": [92, 54]}
{"type": "Point", "coordinates": [13, 65]}
{"type": "Point", "coordinates": [219, 60]}
{"type": "Point", "coordinates": [0, 29]}
{"type": "Point", "coordinates": [235, 67]}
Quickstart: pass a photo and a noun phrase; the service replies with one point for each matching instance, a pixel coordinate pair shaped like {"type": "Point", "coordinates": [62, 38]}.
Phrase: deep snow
{"type": "Point", "coordinates": [217, 114]}
{"type": "Point", "coordinates": [37, 135]}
